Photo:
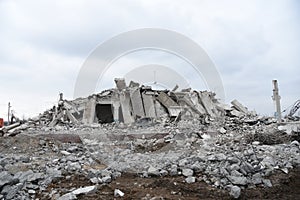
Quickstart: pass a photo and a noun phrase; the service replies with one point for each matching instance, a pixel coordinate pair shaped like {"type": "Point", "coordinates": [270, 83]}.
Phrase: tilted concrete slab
{"type": "Point", "coordinates": [89, 112]}
{"type": "Point", "coordinates": [149, 105]}
{"type": "Point", "coordinates": [137, 102]}
{"type": "Point", "coordinates": [126, 107]}
{"type": "Point", "coordinates": [207, 103]}
{"type": "Point", "coordinates": [170, 104]}
{"type": "Point", "coordinates": [238, 106]}
{"type": "Point", "coordinates": [120, 83]}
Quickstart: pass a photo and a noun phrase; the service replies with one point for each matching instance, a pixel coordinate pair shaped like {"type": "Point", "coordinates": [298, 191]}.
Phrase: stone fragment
{"type": "Point", "coordinates": [65, 153]}
{"type": "Point", "coordinates": [190, 179]}
{"type": "Point", "coordinates": [152, 171]}
{"type": "Point", "coordinates": [222, 130]}
{"type": "Point", "coordinates": [238, 180]}
{"type": "Point", "coordinates": [118, 193]}
{"type": "Point", "coordinates": [106, 179]}
{"type": "Point", "coordinates": [68, 196]}
{"type": "Point", "coordinates": [85, 190]}
{"type": "Point", "coordinates": [235, 191]}
{"type": "Point", "coordinates": [187, 172]}
{"type": "Point", "coordinates": [35, 176]}
{"type": "Point", "coordinates": [5, 178]}
{"type": "Point", "coordinates": [267, 183]}
{"type": "Point", "coordinates": [256, 179]}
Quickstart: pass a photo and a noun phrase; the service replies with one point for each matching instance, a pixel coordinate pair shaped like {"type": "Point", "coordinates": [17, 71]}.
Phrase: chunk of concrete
{"type": "Point", "coordinates": [187, 172]}
{"type": "Point", "coordinates": [236, 113]}
{"type": "Point", "coordinates": [190, 179]}
{"type": "Point", "coordinates": [165, 100]}
{"type": "Point", "coordinates": [149, 105]}
{"type": "Point", "coordinates": [120, 83]}
{"type": "Point", "coordinates": [238, 180]}
{"type": "Point", "coordinates": [68, 196]}
{"type": "Point", "coordinates": [235, 191]}
{"type": "Point", "coordinates": [152, 171]}
{"type": "Point", "coordinates": [126, 107]}
{"type": "Point", "coordinates": [89, 112]}
{"type": "Point", "coordinates": [208, 104]}
{"type": "Point", "coordinates": [85, 190]}
{"type": "Point", "coordinates": [137, 102]}
{"type": "Point", "coordinates": [238, 106]}
{"type": "Point", "coordinates": [5, 178]}
{"type": "Point", "coordinates": [133, 84]}
{"type": "Point", "coordinates": [118, 193]}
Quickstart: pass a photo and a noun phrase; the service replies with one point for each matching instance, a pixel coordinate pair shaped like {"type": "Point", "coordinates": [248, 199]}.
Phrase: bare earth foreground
{"type": "Point", "coordinates": [286, 187]}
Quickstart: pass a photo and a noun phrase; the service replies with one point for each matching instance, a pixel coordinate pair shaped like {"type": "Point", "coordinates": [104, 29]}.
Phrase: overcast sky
{"type": "Point", "coordinates": [45, 43]}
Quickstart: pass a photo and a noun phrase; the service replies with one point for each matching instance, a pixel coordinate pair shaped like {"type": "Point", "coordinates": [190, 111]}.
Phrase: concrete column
{"type": "Point", "coordinates": [89, 112]}
{"type": "Point", "coordinates": [276, 99]}
{"type": "Point", "coordinates": [116, 106]}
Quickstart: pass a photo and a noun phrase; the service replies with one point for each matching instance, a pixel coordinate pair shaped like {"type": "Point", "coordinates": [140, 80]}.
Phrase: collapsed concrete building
{"type": "Point", "coordinates": [133, 103]}
{"type": "Point", "coordinates": [130, 103]}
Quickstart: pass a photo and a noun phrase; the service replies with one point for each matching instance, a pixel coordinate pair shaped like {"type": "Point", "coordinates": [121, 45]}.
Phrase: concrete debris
{"type": "Point", "coordinates": [118, 193]}
{"type": "Point", "coordinates": [187, 172]}
{"type": "Point", "coordinates": [129, 104]}
{"type": "Point", "coordinates": [149, 133]}
{"type": "Point", "coordinates": [190, 179]}
{"type": "Point", "coordinates": [85, 190]}
{"type": "Point", "coordinates": [237, 105]}
{"type": "Point", "coordinates": [68, 196]}
{"type": "Point", "coordinates": [235, 191]}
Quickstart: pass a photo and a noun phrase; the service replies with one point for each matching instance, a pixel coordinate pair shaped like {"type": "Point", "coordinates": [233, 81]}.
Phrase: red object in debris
{"type": "Point", "coordinates": [1, 122]}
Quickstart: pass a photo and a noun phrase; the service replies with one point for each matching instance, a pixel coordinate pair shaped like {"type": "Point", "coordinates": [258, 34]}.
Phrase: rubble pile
{"type": "Point", "coordinates": [149, 133]}
{"type": "Point", "coordinates": [131, 104]}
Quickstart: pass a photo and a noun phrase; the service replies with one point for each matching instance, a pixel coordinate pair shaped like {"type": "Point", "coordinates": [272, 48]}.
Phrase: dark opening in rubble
{"type": "Point", "coordinates": [104, 113]}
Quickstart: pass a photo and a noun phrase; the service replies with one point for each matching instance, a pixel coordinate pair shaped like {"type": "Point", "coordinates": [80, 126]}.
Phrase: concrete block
{"type": "Point", "coordinates": [137, 103]}
{"type": "Point", "coordinates": [207, 103]}
{"type": "Point", "coordinates": [173, 108]}
{"type": "Point", "coordinates": [89, 112]}
{"type": "Point", "coordinates": [238, 106]}
{"type": "Point", "coordinates": [165, 100]}
{"type": "Point", "coordinates": [126, 107]}
{"type": "Point", "coordinates": [120, 83]}
{"type": "Point", "coordinates": [149, 105]}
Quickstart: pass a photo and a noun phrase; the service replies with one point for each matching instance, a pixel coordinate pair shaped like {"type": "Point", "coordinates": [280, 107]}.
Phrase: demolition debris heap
{"type": "Point", "coordinates": [128, 104]}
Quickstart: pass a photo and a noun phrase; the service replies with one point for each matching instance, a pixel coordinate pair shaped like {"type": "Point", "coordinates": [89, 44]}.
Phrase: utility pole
{"type": "Point", "coordinates": [8, 113]}
{"type": "Point", "coordinates": [276, 99]}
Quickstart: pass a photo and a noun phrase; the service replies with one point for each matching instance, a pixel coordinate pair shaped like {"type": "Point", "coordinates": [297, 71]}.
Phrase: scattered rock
{"type": "Point", "coordinates": [85, 190]}
{"type": "Point", "coordinates": [190, 179]}
{"type": "Point", "coordinates": [235, 191]}
{"type": "Point", "coordinates": [187, 172]}
{"type": "Point", "coordinates": [68, 196]}
{"type": "Point", "coordinates": [118, 193]}
{"type": "Point", "coordinates": [152, 171]}
{"type": "Point", "coordinates": [238, 180]}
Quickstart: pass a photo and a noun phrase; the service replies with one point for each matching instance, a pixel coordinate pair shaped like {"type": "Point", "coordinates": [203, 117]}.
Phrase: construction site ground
{"type": "Point", "coordinates": [285, 186]}
{"type": "Point", "coordinates": [134, 187]}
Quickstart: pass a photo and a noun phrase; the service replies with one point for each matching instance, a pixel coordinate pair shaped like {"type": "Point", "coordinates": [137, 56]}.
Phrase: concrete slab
{"type": "Point", "coordinates": [137, 103]}
{"type": "Point", "coordinates": [120, 83]}
{"type": "Point", "coordinates": [89, 112]}
{"type": "Point", "coordinates": [238, 106]}
{"type": "Point", "coordinates": [126, 107]}
{"type": "Point", "coordinates": [149, 105]}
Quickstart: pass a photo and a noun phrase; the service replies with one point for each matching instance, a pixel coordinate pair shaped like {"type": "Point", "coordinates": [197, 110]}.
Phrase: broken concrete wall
{"type": "Point", "coordinates": [89, 111]}
{"type": "Point", "coordinates": [120, 83]}
{"type": "Point", "coordinates": [172, 107]}
{"type": "Point", "coordinates": [207, 103]}
{"type": "Point", "coordinates": [137, 103]}
{"type": "Point", "coordinates": [126, 107]}
{"type": "Point", "coordinates": [239, 107]}
{"type": "Point", "coordinates": [149, 107]}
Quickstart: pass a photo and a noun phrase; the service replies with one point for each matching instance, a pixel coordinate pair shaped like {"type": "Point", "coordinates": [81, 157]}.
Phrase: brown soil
{"type": "Point", "coordinates": [284, 187]}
